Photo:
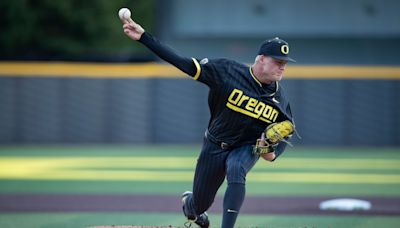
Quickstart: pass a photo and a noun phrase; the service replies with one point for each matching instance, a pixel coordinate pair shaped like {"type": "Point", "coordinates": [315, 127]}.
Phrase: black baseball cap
{"type": "Point", "coordinates": [275, 48]}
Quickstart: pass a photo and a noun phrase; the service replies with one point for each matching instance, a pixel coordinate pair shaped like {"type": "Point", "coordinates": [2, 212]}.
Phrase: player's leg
{"type": "Point", "coordinates": [238, 164]}
{"type": "Point", "coordinates": [209, 175]}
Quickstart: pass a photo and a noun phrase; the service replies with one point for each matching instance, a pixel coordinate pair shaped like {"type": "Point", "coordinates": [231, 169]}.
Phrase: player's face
{"type": "Point", "coordinates": [273, 68]}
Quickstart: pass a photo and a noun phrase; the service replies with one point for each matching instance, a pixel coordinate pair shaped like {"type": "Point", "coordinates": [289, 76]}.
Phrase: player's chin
{"type": "Point", "coordinates": [278, 77]}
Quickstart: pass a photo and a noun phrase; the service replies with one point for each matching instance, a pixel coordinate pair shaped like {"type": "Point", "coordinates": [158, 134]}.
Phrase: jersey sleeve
{"type": "Point", "coordinates": [185, 64]}
{"type": "Point", "coordinates": [210, 72]}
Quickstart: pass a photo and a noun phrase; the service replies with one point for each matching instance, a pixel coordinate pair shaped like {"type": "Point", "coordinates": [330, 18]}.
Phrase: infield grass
{"type": "Point", "coordinates": [141, 169]}
{"type": "Point", "coordinates": [344, 172]}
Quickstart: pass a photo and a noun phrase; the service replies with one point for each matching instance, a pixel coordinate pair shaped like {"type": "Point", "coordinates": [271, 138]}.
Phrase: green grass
{"type": "Point", "coordinates": [76, 220]}
{"type": "Point", "coordinates": [327, 162]}
{"type": "Point", "coordinates": [186, 150]}
{"type": "Point", "coordinates": [380, 169]}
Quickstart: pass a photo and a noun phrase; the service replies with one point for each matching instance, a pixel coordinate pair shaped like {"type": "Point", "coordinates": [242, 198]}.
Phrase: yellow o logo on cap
{"type": "Point", "coordinates": [285, 49]}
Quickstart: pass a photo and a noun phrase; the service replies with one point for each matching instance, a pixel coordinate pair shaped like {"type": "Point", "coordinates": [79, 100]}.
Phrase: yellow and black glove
{"type": "Point", "coordinates": [273, 134]}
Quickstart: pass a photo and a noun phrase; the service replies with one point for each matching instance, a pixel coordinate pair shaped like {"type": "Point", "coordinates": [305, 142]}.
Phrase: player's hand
{"type": "Point", "coordinates": [266, 156]}
{"type": "Point", "coordinates": [132, 29]}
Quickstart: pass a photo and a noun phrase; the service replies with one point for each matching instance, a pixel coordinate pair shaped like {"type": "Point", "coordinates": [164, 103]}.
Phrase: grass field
{"type": "Point", "coordinates": [168, 170]}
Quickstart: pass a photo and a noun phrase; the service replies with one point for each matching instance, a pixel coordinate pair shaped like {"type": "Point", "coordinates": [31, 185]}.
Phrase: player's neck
{"type": "Point", "coordinates": [257, 72]}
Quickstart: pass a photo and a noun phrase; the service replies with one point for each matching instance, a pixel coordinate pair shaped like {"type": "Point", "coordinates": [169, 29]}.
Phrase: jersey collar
{"type": "Point", "coordinates": [254, 77]}
{"type": "Point", "coordinates": [260, 84]}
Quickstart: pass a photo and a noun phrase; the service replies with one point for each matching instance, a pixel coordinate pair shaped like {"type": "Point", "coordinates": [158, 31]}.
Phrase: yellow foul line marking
{"type": "Point", "coordinates": [158, 70]}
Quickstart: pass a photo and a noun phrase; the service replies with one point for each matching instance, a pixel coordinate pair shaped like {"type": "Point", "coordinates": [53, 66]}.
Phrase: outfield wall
{"type": "Point", "coordinates": [48, 103]}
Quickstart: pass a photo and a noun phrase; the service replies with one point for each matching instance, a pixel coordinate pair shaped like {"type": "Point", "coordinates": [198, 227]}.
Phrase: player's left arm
{"type": "Point", "coordinates": [286, 130]}
{"type": "Point", "coordinates": [270, 156]}
{"type": "Point", "coordinates": [273, 140]}
{"type": "Point", "coordinates": [276, 137]}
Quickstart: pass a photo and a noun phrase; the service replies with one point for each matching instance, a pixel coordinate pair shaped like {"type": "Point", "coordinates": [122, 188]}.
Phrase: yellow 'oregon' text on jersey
{"type": "Point", "coordinates": [239, 102]}
{"type": "Point", "coordinates": [241, 107]}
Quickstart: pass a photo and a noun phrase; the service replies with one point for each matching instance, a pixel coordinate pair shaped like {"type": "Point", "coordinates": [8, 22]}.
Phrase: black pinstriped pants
{"type": "Point", "coordinates": [213, 165]}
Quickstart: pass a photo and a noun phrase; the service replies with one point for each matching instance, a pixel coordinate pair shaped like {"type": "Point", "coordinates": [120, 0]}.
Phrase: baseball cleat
{"type": "Point", "coordinates": [201, 220]}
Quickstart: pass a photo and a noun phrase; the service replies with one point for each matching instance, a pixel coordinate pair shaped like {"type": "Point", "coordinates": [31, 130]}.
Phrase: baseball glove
{"type": "Point", "coordinates": [273, 134]}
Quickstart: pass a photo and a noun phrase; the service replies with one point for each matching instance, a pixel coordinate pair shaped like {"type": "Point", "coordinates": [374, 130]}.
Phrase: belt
{"type": "Point", "coordinates": [223, 145]}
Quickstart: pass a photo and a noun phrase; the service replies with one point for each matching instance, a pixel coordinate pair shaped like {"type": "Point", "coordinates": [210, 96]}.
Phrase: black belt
{"type": "Point", "coordinates": [223, 145]}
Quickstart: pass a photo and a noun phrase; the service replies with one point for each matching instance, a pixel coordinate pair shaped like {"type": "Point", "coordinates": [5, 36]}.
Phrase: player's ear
{"type": "Point", "coordinates": [262, 58]}
{"type": "Point", "coordinates": [258, 58]}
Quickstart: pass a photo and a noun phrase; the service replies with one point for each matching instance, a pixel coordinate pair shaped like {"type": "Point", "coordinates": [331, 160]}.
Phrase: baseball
{"type": "Point", "coordinates": [124, 14]}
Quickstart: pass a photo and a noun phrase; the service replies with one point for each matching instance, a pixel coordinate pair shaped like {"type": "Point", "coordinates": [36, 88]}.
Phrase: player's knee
{"type": "Point", "coordinates": [235, 173]}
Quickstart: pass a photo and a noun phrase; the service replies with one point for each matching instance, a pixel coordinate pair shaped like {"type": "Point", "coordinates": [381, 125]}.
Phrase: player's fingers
{"type": "Point", "coordinates": [132, 26]}
{"type": "Point", "coordinates": [269, 156]}
{"type": "Point", "coordinates": [262, 141]}
{"type": "Point", "coordinates": [129, 27]}
{"type": "Point", "coordinates": [129, 21]}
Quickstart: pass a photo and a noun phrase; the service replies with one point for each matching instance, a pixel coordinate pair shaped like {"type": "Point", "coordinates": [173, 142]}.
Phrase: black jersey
{"type": "Point", "coordinates": [240, 106]}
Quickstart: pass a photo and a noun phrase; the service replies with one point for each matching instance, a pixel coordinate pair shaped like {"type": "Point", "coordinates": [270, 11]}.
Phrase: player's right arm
{"type": "Point", "coordinates": [188, 65]}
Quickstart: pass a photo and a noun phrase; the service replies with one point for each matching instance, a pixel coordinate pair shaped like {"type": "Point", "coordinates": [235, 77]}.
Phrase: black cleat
{"type": "Point", "coordinates": [201, 220]}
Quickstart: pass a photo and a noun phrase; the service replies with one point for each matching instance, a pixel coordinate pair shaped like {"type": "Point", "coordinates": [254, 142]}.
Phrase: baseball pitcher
{"type": "Point", "coordinates": [250, 118]}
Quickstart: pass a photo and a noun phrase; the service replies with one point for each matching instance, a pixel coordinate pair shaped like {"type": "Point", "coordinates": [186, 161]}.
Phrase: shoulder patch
{"type": "Point", "coordinates": [204, 61]}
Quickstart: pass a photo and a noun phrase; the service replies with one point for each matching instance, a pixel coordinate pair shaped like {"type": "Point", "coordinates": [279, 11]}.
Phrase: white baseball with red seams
{"type": "Point", "coordinates": [124, 14]}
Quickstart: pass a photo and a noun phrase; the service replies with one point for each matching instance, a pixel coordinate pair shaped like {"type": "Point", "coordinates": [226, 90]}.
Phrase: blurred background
{"type": "Point", "coordinates": [356, 103]}
{"type": "Point", "coordinates": [92, 122]}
